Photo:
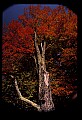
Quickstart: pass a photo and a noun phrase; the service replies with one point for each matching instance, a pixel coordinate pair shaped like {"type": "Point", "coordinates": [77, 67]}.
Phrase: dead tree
{"type": "Point", "coordinates": [44, 81]}
{"type": "Point", "coordinates": [45, 96]}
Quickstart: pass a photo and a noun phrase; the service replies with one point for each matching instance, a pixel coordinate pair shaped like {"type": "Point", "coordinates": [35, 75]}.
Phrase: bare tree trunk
{"type": "Point", "coordinates": [44, 82]}
{"type": "Point", "coordinates": [48, 105]}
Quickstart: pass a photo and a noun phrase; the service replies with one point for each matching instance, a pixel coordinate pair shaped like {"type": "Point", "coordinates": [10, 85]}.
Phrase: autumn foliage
{"type": "Point", "coordinates": [58, 27]}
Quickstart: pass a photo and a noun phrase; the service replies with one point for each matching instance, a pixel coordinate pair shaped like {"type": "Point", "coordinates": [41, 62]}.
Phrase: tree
{"type": "Point", "coordinates": [41, 33]}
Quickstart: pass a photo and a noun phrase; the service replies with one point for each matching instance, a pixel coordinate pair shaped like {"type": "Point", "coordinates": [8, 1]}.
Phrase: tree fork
{"type": "Point", "coordinates": [44, 83]}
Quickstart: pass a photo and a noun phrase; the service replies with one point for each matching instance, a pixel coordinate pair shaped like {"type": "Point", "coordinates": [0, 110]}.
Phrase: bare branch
{"type": "Point", "coordinates": [23, 98]}
{"type": "Point", "coordinates": [30, 102]}
{"type": "Point", "coordinates": [18, 91]}
{"type": "Point", "coordinates": [38, 50]}
{"type": "Point", "coordinates": [36, 45]}
{"type": "Point", "coordinates": [44, 47]}
{"type": "Point", "coordinates": [41, 47]}
{"type": "Point", "coordinates": [36, 63]}
{"type": "Point", "coordinates": [43, 56]}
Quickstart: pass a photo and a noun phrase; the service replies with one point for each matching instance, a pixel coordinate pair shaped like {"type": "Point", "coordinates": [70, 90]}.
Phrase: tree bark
{"type": "Point", "coordinates": [45, 95]}
{"type": "Point", "coordinates": [48, 105]}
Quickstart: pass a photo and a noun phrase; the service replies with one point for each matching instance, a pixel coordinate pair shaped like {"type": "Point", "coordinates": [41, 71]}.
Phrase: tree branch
{"type": "Point", "coordinates": [43, 55]}
{"type": "Point", "coordinates": [18, 91]}
{"type": "Point", "coordinates": [36, 45]}
{"type": "Point", "coordinates": [41, 46]}
{"type": "Point", "coordinates": [23, 98]}
{"type": "Point", "coordinates": [36, 63]}
{"type": "Point", "coordinates": [37, 49]}
{"type": "Point", "coordinates": [44, 47]}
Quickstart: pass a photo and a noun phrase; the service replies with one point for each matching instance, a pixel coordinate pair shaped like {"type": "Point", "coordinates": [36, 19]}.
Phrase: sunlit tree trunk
{"type": "Point", "coordinates": [45, 95]}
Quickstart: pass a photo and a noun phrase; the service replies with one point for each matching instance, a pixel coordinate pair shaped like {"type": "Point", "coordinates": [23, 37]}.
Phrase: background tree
{"type": "Point", "coordinates": [55, 35]}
